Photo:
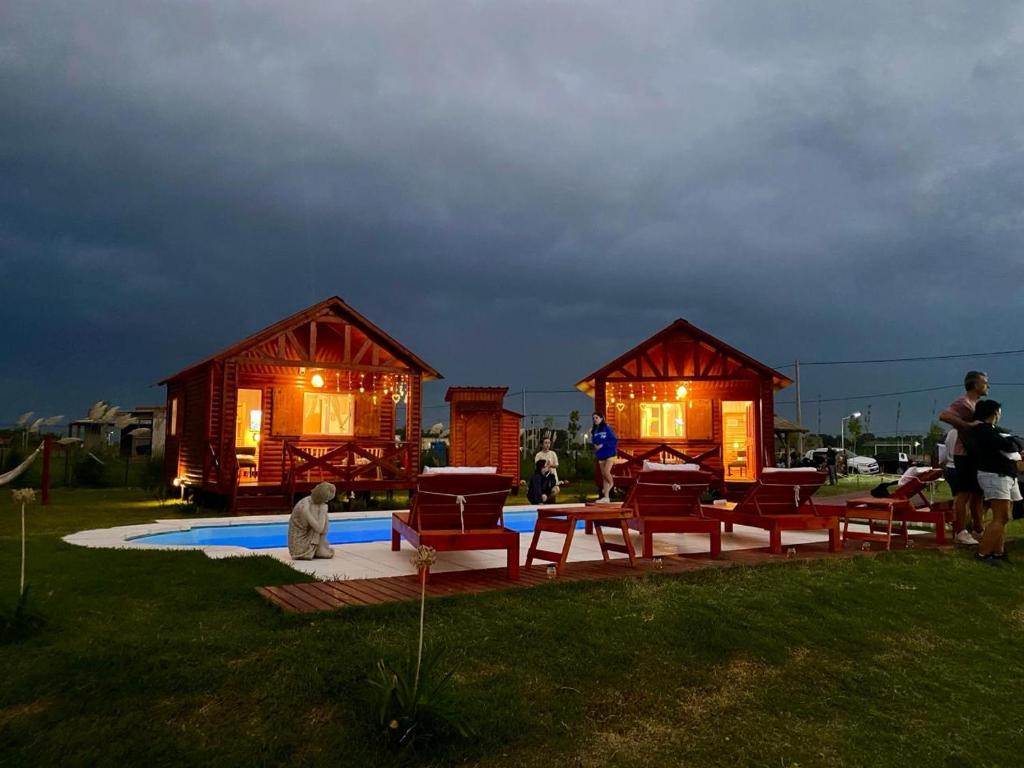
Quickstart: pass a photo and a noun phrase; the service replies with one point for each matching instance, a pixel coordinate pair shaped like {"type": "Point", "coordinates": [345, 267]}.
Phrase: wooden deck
{"type": "Point", "coordinates": [330, 595]}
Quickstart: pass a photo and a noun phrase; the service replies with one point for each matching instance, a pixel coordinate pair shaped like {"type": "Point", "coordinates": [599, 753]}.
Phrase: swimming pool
{"type": "Point", "coordinates": [272, 535]}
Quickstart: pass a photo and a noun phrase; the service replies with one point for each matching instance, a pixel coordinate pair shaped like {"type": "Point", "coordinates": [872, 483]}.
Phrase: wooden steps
{"type": "Point", "coordinates": [261, 500]}
{"type": "Point", "coordinates": [316, 596]}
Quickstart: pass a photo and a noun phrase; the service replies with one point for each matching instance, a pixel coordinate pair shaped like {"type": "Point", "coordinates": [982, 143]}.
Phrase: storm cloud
{"type": "Point", "coordinates": [517, 191]}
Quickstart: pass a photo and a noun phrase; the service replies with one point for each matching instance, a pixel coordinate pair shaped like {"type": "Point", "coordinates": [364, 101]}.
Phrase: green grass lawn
{"type": "Point", "coordinates": [907, 659]}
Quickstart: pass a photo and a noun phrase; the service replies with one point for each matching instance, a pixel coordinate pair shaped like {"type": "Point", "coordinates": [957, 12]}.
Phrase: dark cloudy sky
{"type": "Point", "coordinates": [518, 191]}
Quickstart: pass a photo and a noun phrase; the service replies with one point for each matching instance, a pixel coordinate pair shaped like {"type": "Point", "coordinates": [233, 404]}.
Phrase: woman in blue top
{"type": "Point", "coordinates": [606, 449]}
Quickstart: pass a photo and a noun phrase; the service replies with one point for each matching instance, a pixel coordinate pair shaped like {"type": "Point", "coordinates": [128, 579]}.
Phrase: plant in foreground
{"type": "Point", "coordinates": [23, 496]}
{"type": "Point", "coordinates": [416, 701]}
{"type": "Point", "coordinates": [20, 621]}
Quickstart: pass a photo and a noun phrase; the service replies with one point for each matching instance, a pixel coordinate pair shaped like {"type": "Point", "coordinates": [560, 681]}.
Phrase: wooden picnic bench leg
{"type": "Point", "coordinates": [599, 530]}
{"type": "Point", "coordinates": [648, 543]}
{"type": "Point", "coordinates": [629, 543]}
{"type": "Point", "coordinates": [775, 541]}
{"type": "Point", "coordinates": [727, 527]}
{"type": "Point", "coordinates": [834, 539]}
{"type": "Point", "coordinates": [568, 544]}
{"type": "Point", "coordinates": [513, 559]}
{"type": "Point", "coordinates": [533, 546]}
{"type": "Point", "coordinates": [396, 540]}
{"type": "Point", "coordinates": [716, 542]}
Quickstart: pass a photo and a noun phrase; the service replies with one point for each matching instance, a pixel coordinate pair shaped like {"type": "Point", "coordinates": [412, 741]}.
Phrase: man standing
{"type": "Point", "coordinates": [830, 464]}
{"type": "Point", "coordinates": [960, 416]}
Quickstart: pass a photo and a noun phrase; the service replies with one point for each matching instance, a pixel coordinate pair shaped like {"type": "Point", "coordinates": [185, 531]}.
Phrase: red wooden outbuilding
{"type": "Point", "coordinates": [314, 397]}
{"type": "Point", "coordinates": [685, 396]}
{"type": "Point", "coordinates": [483, 432]}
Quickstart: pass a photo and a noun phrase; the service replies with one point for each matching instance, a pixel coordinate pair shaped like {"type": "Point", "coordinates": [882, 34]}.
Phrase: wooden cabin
{"type": "Point", "coordinates": [483, 432]}
{"type": "Point", "coordinates": [685, 396]}
{"type": "Point", "coordinates": [317, 396]}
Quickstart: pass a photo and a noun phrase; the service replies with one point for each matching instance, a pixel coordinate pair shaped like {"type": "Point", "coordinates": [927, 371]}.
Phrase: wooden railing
{"type": "Point", "coordinates": [366, 462]}
{"type": "Point", "coordinates": [663, 453]}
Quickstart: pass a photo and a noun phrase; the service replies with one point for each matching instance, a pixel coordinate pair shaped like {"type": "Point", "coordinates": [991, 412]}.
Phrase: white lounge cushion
{"type": "Point", "coordinates": [783, 470]}
{"type": "Point", "coordinates": [653, 465]}
{"type": "Point", "coordinates": [460, 470]}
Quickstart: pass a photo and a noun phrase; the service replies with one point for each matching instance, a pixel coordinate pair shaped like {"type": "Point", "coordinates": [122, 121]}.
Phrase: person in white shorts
{"type": "Point", "coordinates": [995, 454]}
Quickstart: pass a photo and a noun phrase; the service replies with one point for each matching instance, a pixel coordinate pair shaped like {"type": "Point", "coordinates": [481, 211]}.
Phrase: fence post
{"type": "Point", "coordinates": [45, 482]}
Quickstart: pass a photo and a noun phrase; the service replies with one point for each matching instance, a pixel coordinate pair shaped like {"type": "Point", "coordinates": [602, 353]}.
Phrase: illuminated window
{"type": "Point", "coordinates": [174, 417]}
{"type": "Point", "coordinates": [662, 420]}
{"type": "Point", "coordinates": [327, 413]}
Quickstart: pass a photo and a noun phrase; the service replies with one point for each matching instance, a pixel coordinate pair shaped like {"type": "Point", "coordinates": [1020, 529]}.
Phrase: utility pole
{"type": "Point", "coordinates": [799, 420]}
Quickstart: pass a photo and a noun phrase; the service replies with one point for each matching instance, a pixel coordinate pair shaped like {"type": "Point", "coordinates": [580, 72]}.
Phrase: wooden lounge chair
{"type": "Point", "coordinates": [880, 514]}
{"type": "Point", "coordinates": [456, 512]}
{"type": "Point", "coordinates": [781, 500]}
{"type": "Point", "coordinates": [668, 501]}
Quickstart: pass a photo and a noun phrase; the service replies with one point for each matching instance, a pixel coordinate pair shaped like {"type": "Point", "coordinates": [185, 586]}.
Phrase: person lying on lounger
{"type": "Point", "coordinates": [307, 528]}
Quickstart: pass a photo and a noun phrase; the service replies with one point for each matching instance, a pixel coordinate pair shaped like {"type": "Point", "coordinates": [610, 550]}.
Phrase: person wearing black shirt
{"type": "Point", "coordinates": [543, 485]}
{"type": "Point", "coordinates": [995, 455]}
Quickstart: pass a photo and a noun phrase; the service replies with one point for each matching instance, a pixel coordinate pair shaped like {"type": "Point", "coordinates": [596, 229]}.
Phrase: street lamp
{"type": "Point", "coordinates": [842, 428]}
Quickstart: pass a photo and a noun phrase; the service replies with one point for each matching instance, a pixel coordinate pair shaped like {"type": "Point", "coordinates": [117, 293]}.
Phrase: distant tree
{"type": "Point", "coordinates": [853, 426]}
{"type": "Point", "coordinates": [573, 427]}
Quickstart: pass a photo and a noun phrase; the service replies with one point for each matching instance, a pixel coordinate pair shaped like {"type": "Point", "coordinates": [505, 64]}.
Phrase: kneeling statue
{"type": "Point", "coordinates": [307, 528]}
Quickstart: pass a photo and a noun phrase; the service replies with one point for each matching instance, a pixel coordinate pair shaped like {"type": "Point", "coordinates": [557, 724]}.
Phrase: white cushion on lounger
{"type": "Point", "coordinates": [460, 470]}
{"type": "Point", "coordinates": [653, 465]}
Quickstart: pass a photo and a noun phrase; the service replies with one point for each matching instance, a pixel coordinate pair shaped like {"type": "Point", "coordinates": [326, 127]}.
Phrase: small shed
{"type": "Point", "coordinates": [685, 396]}
{"type": "Point", "coordinates": [483, 432]}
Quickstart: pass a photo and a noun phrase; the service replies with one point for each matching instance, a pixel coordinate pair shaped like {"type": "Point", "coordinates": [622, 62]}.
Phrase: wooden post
{"type": "Point", "coordinates": [45, 482]}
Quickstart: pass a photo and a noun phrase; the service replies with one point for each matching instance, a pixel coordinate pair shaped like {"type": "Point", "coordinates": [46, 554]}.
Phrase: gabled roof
{"type": "Point", "coordinates": [682, 330]}
{"type": "Point", "coordinates": [335, 306]}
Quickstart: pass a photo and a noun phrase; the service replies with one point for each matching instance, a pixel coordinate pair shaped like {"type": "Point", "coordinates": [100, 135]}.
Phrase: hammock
{"type": "Point", "coordinates": [14, 473]}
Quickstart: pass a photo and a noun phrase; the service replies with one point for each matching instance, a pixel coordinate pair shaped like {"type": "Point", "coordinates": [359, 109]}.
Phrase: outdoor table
{"type": "Point", "coordinates": [874, 512]}
{"type": "Point", "coordinates": [563, 520]}
{"type": "Point", "coordinates": [710, 509]}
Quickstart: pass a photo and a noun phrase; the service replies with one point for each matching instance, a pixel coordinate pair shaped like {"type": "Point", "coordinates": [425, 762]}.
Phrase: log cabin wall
{"type": "Point", "coordinates": [193, 396]}
{"type": "Point", "coordinates": [374, 420]}
{"type": "Point", "coordinates": [694, 394]}
{"type": "Point", "coordinates": [330, 343]}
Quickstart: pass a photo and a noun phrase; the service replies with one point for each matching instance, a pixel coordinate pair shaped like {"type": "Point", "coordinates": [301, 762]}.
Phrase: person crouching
{"type": "Point", "coordinates": [543, 485]}
{"type": "Point", "coordinates": [307, 527]}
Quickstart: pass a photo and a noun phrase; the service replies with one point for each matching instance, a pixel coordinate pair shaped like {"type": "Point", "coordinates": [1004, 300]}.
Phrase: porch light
{"type": "Point", "coordinates": [176, 482]}
{"type": "Point", "coordinates": [317, 380]}
{"type": "Point", "coordinates": [680, 392]}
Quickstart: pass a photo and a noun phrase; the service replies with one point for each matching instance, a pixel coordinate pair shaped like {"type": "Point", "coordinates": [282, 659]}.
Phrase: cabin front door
{"type": "Point", "coordinates": [248, 430]}
{"type": "Point", "coordinates": [478, 441]}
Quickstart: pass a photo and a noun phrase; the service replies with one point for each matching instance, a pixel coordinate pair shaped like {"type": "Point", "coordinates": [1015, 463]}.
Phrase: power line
{"type": "Point", "coordinates": [906, 359]}
{"type": "Point", "coordinates": [868, 396]}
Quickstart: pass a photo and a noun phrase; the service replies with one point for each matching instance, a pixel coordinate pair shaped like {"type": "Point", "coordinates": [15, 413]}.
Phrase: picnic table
{"type": "Point", "coordinates": [564, 520]}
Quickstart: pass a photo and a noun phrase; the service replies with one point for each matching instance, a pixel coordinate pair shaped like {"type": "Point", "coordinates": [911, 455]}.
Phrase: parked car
{"type": "Point", "coordinates": [855, 465]}
{"type": "Point", "coordinates": [893, 462]}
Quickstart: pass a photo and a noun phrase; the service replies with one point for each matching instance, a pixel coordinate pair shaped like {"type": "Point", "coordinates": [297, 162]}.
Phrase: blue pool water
{"type": "Point", "coordinates": [270, 535]}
